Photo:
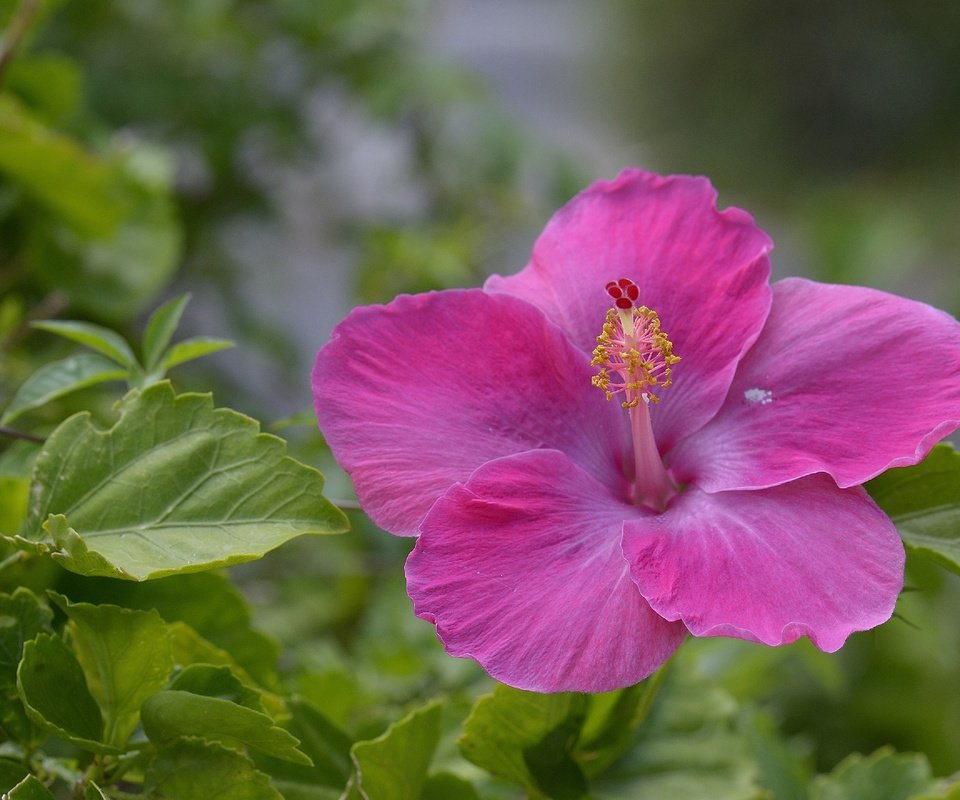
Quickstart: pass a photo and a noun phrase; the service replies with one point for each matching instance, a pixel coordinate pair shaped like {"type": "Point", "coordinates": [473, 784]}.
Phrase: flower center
{"type": "Point", "coordinates": [635, 357]}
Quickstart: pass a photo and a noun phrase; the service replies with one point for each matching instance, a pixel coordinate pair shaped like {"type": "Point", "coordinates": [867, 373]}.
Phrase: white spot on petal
{"type": "Point", "coordinates": [760, 397]}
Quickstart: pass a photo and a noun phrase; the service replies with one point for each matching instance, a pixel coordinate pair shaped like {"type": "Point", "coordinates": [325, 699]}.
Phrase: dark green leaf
{"type": "Point", "coordinates": [30, 788]}
{"type": "Point", "coordinates": [160, 329]}
{"type": "Point", "coordinates": [59, 378]}
{"type": "Point", "coordinates": [394, 766]}
{"type": "Point", "coordinates": [885, 774]}
{"type": "Point", "coordinates": [527, 738]}
{"type": "Point", "coordinates": [11, 773]}
{"type": "Point", "coordinates": [55, 694]}
{"type": "Point", "coordinates": [22, 617]}
{"type": "Point", "coordinates": [97, 337]}
{"type": "Point", "coordinates": [191, 349]}
{"type": "Point", "coordinates": [174, 486]}
{"type": "Point", "coordinates": [169, 715]}
{"type": "Point", "coordinates": [924, 503]}
{"type": "Point", "coordinates": [94, 792]}
{"type": "Point", "coordinates": [125, 656]}
{"type": "Point", "coordinates": [194, 770]}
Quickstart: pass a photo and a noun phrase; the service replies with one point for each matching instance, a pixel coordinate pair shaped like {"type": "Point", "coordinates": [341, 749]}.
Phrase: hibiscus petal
{"type": "Point", "coordinates": [703, 271]}
{"type": "Point", "coordinates": [414, 396]}
{"type": "Point", "coordinates": [803, 559]}
{"type": "Point", "coordinates": [843, 380]}
{"type": "Point", "coordinates": [521, 569]}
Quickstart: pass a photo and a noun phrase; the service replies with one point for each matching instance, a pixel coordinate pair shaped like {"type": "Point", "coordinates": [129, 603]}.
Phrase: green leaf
{"type": "Point", "coordinates": [325, 744]}
{"type": "Point", "coordinates": [223, 618]}
{"type": "Point", "coordinates": [160, 329]}
{"type": "Point", "coordinates": [688, 748]}
{"type": "Point", "coordinates": [191, 349]}
{"type": "Point", "coordinates": [445, 786]}
{"type": "Point", "coordinates": [94, 792]}
{"type": "Point", "coordinates": [125, 656]}
{"type": "Point", "coordinates": [22, 618]}
{"type": "Point", "coordinates": [924, 503]}
{"type": "Point", "coordinates": [103, 340]}
{"type": "Point", "coordinates": [56, 172]}
{"type": "Point", "coordinates": [11, 773]}
{"type": "Point", "coordinates": [193, 770]}
{"type": "Point", "coordinates": [394, 766]}
{"type": "Point", "coordinates": [14, 496]}
{"type": "Point", "coordinates": [55, 694]}
{"type": "Point", "coordinates": [30, 788]}
{"type": "Point", "coordinates": [885, 774]}
{"type": "Point", "coordinates": [50, 84]}
{"type": "Point", "coordinates": [212, 681]}
{"type": "Point", "coordinates": [113, 276]}
{"type": "Point", "coordinates": [174, 486]}
{"type": "Point", "coordinates": [172, 714]}
{"type": "Point", "coordinates": [528, 738]}
{"type": "Point", "coordinates": [58, 378]}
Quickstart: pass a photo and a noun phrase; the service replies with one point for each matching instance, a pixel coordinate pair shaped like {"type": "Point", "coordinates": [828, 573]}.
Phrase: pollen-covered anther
{"type": "Point", "coordinates": [633, 353]}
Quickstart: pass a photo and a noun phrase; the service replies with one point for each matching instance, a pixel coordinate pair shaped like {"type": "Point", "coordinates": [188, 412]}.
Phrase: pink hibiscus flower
{"type": "Point", "coordinates": [582, 504]}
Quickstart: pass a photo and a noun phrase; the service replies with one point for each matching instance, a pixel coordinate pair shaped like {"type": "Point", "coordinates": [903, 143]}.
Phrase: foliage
{"type": "Point", "coordinates": [132, 664]}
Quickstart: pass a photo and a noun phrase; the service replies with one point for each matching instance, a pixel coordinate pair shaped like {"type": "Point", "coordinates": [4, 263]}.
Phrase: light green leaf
{"type": "Point", "coordinates": [160, 329]}
{"type": "Point", "coordinates": [59, 378]}
{"type": "Point", "coordinates": [30, 788]}
{"type": "Point", "coordinates": [885, 774]}
{"type": "Point", "coordinates": [125, 656]}
{"type": "Point", "coordinates": [924, 503]}
{"type": "Point", "coordinates": [194, 770]}
{"type": "Point", "coordinates": [174, 486]}
{"type": "Point", "coordinates": [55, 694]}
{"type": "Point", "coordinates": [97, 337]}
{"type": "Point", "coordinates": [191, 349]}
{"type": "Point", "coordinates": [172, 714]}
{"type": "Point", "coordinates": [56, 172]}
{"type": "Point", "coordinates": [223, 618]}
{"type": "Point", "coordinates": [14, 496]}
{"type": "Point", "coordinates": [394, 766]}
{"type": "Point", "coordinates": [528, 738]}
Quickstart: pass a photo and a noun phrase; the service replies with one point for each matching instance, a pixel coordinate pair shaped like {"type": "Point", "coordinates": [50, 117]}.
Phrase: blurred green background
{"type": "Point", "coordinates": [283, 161]}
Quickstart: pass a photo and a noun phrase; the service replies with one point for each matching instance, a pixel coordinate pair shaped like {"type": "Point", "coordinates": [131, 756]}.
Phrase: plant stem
{"type": "Point", "coordinates": [27, 437]}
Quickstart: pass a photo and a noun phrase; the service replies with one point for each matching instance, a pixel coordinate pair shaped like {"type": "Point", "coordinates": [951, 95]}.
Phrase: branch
{"type": "Point", "coordinates": [27, 437]}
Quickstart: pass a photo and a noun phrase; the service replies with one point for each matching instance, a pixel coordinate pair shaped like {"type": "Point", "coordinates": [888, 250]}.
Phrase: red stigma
{"type": "Point", "coordinates": [624, 292]}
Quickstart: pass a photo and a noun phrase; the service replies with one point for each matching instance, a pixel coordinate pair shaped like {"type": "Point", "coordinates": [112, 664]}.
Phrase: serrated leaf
{"type": "Point", "coordinates": [886, 774]}
{"type": "Point", "coordinates": [55, 694]}
{"type": "Point", "coordinates": [125, 656]}
{"type": "Point", "coordinates": [924, 503]}
{"type": "Point", "coordinates": [528, 738]}
{"type": "Point", "coordinates": [192, 349]}
{"type": "Point", "coordinates": [174, 486]}
{"type": "Point", "coordinates": [103, 340]}
{"type": "Point", "coordinates": [58, 378]}
{"type": "Point", "coordinates": [194, 770]}
{"type": "Point", "coordinates": [160, 329]}
{"type": "Point", "coordinates": [30, 788]}
{"type": "Point", "coordinates": [394, 766]}
{"type": "Point", "coordinates": [172, 714]}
